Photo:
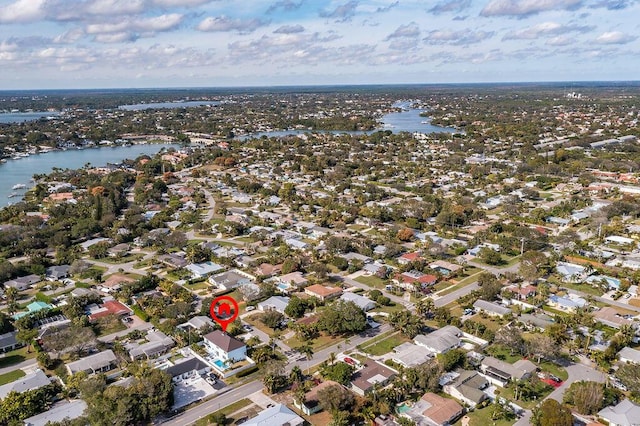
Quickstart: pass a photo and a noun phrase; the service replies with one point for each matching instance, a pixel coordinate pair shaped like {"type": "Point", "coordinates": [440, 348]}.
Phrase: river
{"type": "Point", "coordinates": [20, 171]}
{"type": "Point", "coordinates": [21, 117]}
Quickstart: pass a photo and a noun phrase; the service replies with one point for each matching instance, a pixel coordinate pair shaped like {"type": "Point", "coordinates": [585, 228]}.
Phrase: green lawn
{"type": "Point", "coordinates": [554, 369]}
{"type": "Point", "coordinates": [226, 411]}
{"type": "Point", "coordinates": [503, 353]}
{"type": "Point", "coordinates": [586, 288]}
{"type": "Point", "coordinates": [371, 281]}
{"type": "Point", "coordinates": [483, 418]}
{"type": "Point", "coordinates": [11, 376]}
{"type": "Point", "coordinates": [15, 357]}
{"type": "Point", "coordinates": [386, 345]}
{"type": "Point", "coordinates": [124, 259]}
{"type": "Point", "coordinates": [202, 285]}
{"type": "Point", "coordinates": [324, 341]}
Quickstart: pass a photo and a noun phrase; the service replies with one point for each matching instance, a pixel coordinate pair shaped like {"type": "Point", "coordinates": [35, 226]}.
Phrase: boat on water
{"type": "Point", "coordinates": [19, 186]}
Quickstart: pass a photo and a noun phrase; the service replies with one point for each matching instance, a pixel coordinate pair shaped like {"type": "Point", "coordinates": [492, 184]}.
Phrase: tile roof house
{"type": "Point", "coordinates": [409, 257]}
{"type": "Point", "coordinates": [408, 279]}
{"type": "Point", "coordinates": [97, 363]}
{"type": "Point", "coordinates": [610, 316]}
{"type": "Point", "coordinates": [291, 281]}
{"type": "Point", "coordinates": [433, 409]}
{"type": "Point", "coordinates": [441, 340]}
{"type": "Point", "coordinates": [115, 281]}
{"type": "Point", "coordinates": [278, 415]}
{"type": "Point", "coordinates": [323, 293]}
{"type": "Point", "coordinates": [626, 413]}
{"type": "Point", "coordinates": [31, 381]}
{"type": "Point", "coordinates": [110, 307]}
{"type": "Point", "coordinates": [224, 347]}
{"type": "Point", "coordinates": [364, 380]}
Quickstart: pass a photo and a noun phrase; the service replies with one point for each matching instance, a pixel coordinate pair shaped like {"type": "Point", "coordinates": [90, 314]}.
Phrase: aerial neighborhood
{"type": "Point", "coordinates": [488, 275]}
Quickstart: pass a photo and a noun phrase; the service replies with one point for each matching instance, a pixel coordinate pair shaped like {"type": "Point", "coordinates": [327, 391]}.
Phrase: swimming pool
{"type": "Point", "coordinates": [220, 364]}
{"type": "Point", "coordinates": [403, 408]}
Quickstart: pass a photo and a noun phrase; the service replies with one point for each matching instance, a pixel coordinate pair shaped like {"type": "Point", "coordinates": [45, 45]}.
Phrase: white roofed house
{"type": "Point", "coordinates": [491, 308]}
{"type": "Point", "coordinates": [361, 302]}
{"type": "Point", "coordinates": [230, 279]}
{"type": "Point", "coordinates": [203, 270]}
{"type": "Point", "coordinates": [97, 363]}
{"type": "Point", "coordinates": [441, 340]}
{"type": "Point", "coordinates": [31, 381]}
{"type": "Point", "coordinates": [629, 355]}
{"type": "Point", "coordinates": [572, 273]}
{"type": "Point", "coordinates": [157, 343]}
{"type": "Point", "coordinates": [276, 303]}
{"type": "Point", "coordinates": [625, 413]}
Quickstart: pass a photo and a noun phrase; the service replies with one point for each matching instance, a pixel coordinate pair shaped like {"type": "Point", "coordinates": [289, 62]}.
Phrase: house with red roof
{"type": "Point", "coordinates": [109, 307]}
{"type": "Point", "coordinates": [409, 257]}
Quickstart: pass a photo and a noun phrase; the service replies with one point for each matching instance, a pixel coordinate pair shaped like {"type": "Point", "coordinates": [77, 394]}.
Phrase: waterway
{"type": "Point", "coordinates": [21, 117]}
{"type": "Point", "coordinates": [20, 171]}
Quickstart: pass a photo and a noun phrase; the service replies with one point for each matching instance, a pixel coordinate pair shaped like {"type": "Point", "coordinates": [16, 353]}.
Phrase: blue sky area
{"type": "Point", "coordinates": [180, 43]}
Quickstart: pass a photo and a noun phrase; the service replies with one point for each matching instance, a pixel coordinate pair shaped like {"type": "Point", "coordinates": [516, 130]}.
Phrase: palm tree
{"type": "Point", "coordinates": [307, 351]}
{"type": "Point", "coordinates": [11, 294]}
{"type": "Point", "coordinates": [332, 358]}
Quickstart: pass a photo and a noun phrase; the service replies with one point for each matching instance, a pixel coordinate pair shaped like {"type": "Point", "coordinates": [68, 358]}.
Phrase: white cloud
{"type": "Point", "coordinates": [342, 13]}
{"type": "Point", "coordinates": [289, 29]}
{"type": "Point", "coordinates": [526, 7]}
{"type": "Point", "coordinates": [181, 3]}
{"type": "Point", "coordinates": [545, 29]}
{"type": "Point", "coordinates": [560, 41]}
{"type": "Point", "coordinates": [226, 24]}
{"type": "Point", "coordinates": [614, 37]}
{"type": "Point", "coordinates": [22, 11]}
{"type": "Point", "coordinates": [116, 7]}
{"type": "Point", "coordinates": [459, 38]}
{"type": "Point", "coordinates": [410, 30]}
{"type": "Point", "coordinates": [448, 6]}
{"type": "Point", "coordinates": [121, 37]}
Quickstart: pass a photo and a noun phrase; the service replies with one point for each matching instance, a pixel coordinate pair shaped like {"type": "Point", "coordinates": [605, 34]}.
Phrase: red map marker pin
{"type": "Point", "coordinates": [224, 310]}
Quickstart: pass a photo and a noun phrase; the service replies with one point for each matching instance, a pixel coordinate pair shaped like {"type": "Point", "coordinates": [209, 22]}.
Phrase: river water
{"type": "Point", "coordinates": [20, 171]}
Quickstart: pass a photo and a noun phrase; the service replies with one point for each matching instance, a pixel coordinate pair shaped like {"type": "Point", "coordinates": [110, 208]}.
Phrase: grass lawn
{"type": "Point", "coordinates": [394, 307]}
{"type": "Point", "coordinates": [15, 357]}
{"type": "Point", "coordinates": [11, 376]}
{"type": "Point", "coordinates": [492, 324]}
{"type": "Point", "coordinates": [586, 288]}
{"type": "Point", "coordinates": [124, 259]}
{"type": "Point", "coordinates": [386, 345]}
{"type": "Point", "coordinates": [324, 341]}
{"type": "Point", "coordinates": [371, 281]}
{"type": "Point", "coordinates": [202, 285]}
{"type": "Point", "coordinates": [452, 288]}
{"type": "Point", "coordinates": [508, 393]}
{"type": "Point", "coordinates": [503, 353]}
{"type": "Point", "coordinates": [483, 417]}
{"type": "Point", "coordinates": [554, 369]}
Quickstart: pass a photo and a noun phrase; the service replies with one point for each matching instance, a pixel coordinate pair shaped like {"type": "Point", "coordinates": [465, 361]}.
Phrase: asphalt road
{"type": "Point", "coordinates": [455, 295]}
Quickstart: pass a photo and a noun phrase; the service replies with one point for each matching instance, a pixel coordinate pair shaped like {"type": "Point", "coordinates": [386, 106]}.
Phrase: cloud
{"type": "Point", "coordinates": [545, 29]}
{"type": "Point", "coordinates": [613, 4]}
{"type": "Point", "coordinates": [289, 29]}
{"type": "Point", "coordinates": [121, 37]}
{"type": "Point", "coordinates": [614, 37]}
{"type": "Point", "coordinates": [409, 30]}
{"type": "Point", "coordinates": [22, 11]}
{"type": "Point", "coordinates": [116, 7]}
{"type": "Point", "coordinates": [146, 25]}
{"type": "Point", "coordinates": [560, 41]}
{"type": "Point", "coordinates": [226, 24]}
{"type": "Point", "coordinates": [457, 38]}
{"type": "Point", "coordinates": [268, 47]}
{"type": "Point", "coordinates": [448, 6]}
{"type": "Point", "coordinates": [342, 13]}
{"type": "Point", "coordinates": [522, 8]}
{"type": "Point", "coordinates": [180, 3]}
{"type": "Point", "coordinates": [387, 8]}
{"type": "Point", "coordinates": [285, 5]}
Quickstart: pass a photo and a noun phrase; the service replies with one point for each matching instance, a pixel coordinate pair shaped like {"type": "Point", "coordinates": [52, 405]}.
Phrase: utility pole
{"type": "Point", "coordinates": [521, 246]}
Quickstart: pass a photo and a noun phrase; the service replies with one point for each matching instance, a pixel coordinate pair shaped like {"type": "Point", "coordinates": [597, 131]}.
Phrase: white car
{"type": "Point", "coordinates": [250, 308]}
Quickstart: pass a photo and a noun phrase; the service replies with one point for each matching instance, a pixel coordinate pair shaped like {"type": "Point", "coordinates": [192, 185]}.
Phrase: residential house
{"type": "Point", "coordinates": [156, 344]}
{"type": "Point", "coordinates": [197, 323]}
{"type": "Point", "coordinates": [490, 308]}
{"type": "Point", "coordinates": [222, 347]}
{"type": "Point", "coordinates": [96, 363]}
{"type": "Point", "coordinates": [361, 302]}
{"type": "Point", "coordinates": [119, 250]}
{"type": "Point", "coordinates": [23, 283]}
{"type": "Point", "coordinates": [408, 280]}
{"type": "Point", "coordinates": [468, 387]}
{"type": "Point", "coordinates": [268, 270]}
{"type": "Point", "coordinates": [571, 273]}
{"type": "Point", "coordinates": [629, 355]}
{"type": "Point", "coordinates": [109, 307]}
{"type": "Point", "coordinates": [410, 355]}
{"type": "Point", "coordinates": [311, 403]}
{"type": "Point", "coordinates": [523, 292]}
{"type": "Point", "coordinates": [373, 373]}
{"type": "Point", "coordinates": [115, 282]}
{"type": "Point", "coordinates": [445, 268]}
{"type": "Point", "coordinates": [277, 415]}
{"type": "Point", "coordinates": [500, 372]}
{"type": "Point", "coordinates": [407, 258]}
{"type": "Point", "coordinates": [8, 342]}
{"type": "Point", "coordinates": [539, 321]}
{"type": "Point", "coordinates": [322, 292]}
{"type": "Point", "coordinates": [609, 316]}
{"type": "Point", "coordinates": [58, 412]}
{"type": "Point", "coordinates": [31, 381]}
{"type": "Point", "coordinates": [276, 303]}
{"type": "Point", "coordinates": [230, 279]}
{"type": "Point", "coordinates": [33, 307]}
{"type": "Point", "coordinates": [374, 268]}
{"type": "Point", "coordinates": [203, 270]}
{"type": "Point", "coordinates": [55, 273]}
{"type": "Point", "coordinates": [173, 260]}
{"type": "Point", "coordinates": [434, 410]}
{"type": "Point", "coordinates": [351, 256]}
{"type": "Point", "coordinates": [567, 303]}
{"type": "Point", "coordinates": [189, 367]}
{"type": "Point", "coordinates": [625, 413]}
{"type": "Point", "coordinates": [441, 340]}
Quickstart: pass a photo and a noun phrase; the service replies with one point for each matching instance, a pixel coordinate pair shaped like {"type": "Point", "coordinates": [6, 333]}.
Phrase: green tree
{"type": "Point", "coordinates": [342, 317]}
{"type": "Point", "coordinates": [271, 318]}
{"type": "Point", "coordinates": [551, 413]}
{"type": "Point", "coordinates": [490, 256]}
{"type": "Point", "coordinates": [340, 372]}
{"type": "Point", "coordinates": [335, 398]}
{"type": "Point", "coordinates": [586, 397]}
{"type": "Point", "coordinates": [296, 307]}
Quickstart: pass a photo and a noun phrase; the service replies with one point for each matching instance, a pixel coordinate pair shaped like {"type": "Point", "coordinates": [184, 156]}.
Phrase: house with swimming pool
{"type": "Point", "coordinates": [226, 354]}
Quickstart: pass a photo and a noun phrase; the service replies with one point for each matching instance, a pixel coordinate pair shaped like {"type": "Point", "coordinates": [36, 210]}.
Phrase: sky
{"type": "Point", "coordinates": [56, 44]}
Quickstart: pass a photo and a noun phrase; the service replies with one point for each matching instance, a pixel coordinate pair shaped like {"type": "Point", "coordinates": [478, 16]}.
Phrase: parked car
{"type": "Point", "coordinates": [250, 308]}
